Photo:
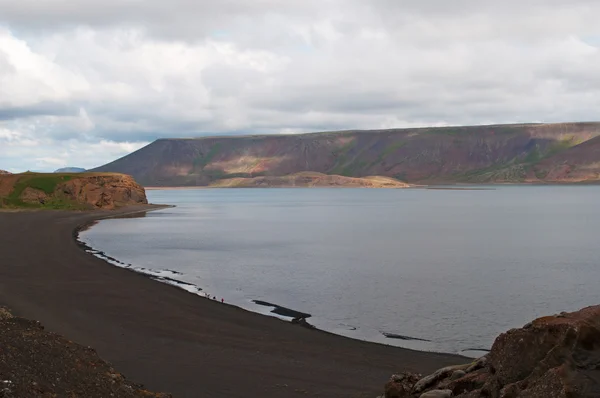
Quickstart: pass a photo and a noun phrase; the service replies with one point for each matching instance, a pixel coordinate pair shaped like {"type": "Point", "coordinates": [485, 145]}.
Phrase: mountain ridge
{"type": "Point", "coordinates": [517, 153]}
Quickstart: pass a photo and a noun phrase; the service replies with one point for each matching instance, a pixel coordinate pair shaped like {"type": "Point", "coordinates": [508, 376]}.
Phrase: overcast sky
{"type": "Point", "coordinates": [84, 82]}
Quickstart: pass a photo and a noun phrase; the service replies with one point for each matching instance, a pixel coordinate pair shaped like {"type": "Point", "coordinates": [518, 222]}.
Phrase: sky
{"type": "Point", "coordinates": [85, 82]}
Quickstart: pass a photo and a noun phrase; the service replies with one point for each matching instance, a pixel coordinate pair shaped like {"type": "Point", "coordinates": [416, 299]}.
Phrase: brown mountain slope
{"type": "Point", "coordinates": [499, 153]}
{"type": "Point", "coordinates": [576, 164]}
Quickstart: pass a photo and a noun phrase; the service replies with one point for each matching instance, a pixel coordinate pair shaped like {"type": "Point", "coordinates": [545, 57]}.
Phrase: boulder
{"type": "Point", "coordinates": [437, 394]}
{"type": "Point", "coordinates": [469, 382]}
{"type": "Point", "coordinates": [437, 376]}
{"type": "Point", "coordinates": [561, 351]}
{"type": "Point", "coordinates": [32, 195]}
{"type": "Point", "coordinates": [552, 357]}
{"type": "Point", "coordinates": [400, 385]}
{"type": "Point", "coordinates": [457, 374]}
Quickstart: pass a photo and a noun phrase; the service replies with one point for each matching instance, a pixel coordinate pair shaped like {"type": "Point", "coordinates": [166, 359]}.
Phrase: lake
{"type": "Point", "coordinates": [448, 270]}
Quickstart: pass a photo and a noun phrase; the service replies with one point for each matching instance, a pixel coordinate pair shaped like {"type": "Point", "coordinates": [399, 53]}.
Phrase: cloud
{"type": "Point", "coordinates": [76, 74]}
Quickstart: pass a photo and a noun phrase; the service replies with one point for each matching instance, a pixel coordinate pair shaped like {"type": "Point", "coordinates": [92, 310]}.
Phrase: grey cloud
{"type": "Point", "coordinates": [119, 71]}
{"type": "Point", "coordinates": [39, 109]}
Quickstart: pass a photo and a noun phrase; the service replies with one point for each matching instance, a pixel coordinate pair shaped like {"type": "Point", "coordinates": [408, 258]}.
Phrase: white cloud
{"type": "Point", "coordinates": [76, 73]}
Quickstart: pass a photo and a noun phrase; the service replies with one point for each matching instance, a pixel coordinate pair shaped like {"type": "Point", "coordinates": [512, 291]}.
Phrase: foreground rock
{"type": "Point", "coordinates": [70, 191]}
{"type": "Point", "coordinates": [36, 363]}
{"type": "Point", "coordinates": [551, 357]}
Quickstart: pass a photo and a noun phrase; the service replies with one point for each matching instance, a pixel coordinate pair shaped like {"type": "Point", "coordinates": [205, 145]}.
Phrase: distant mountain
{"type": "Point", "coordinates": [566, 152]}
{"type": "Point", "coordinates": [70, 170]}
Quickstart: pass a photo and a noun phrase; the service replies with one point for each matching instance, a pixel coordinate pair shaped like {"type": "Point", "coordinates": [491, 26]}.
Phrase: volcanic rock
{"type": "Point", "coordinates": [552, 357]}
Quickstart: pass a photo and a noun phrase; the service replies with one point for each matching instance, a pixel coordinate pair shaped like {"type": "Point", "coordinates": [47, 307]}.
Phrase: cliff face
{"type": "Point", "coordinates": [81, 190]}
{"type": "Point", "coordinates": [503, 153]}
{"type": "Point", "coordinates": [105, 192]}
{"type": "Point", "coordinates": [4, 172]}
{"type": "Point", "coordinates": [552, 357]}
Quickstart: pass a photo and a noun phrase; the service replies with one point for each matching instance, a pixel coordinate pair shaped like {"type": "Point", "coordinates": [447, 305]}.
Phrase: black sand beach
{"type": "Point", "coordinates": [174, 341]}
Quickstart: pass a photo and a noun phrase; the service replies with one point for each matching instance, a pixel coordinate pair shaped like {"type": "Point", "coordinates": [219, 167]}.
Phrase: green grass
{"type": "Point", "coordinates": [561, 145]}
{"type": "Point", "coordinates": [46, 183]}
{"type": "Point", "coordinates": [343, 151]}
{"type": "Point", "coordinates": [534, 156]}
{"type": "Point", "coordinates": [343, 163]}
{"type": "Point", "coordinates": [202, 160]}
{"type": "Point", "coordinates": [393, 148]}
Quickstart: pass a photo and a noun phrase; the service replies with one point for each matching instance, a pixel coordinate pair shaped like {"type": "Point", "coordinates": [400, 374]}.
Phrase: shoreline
{"type": "Point", "coordinates": [282, 313]}
{"type": "Point", "coordinates": [174, 341]}
{"type": "Point", "coordinates": [465, 186]}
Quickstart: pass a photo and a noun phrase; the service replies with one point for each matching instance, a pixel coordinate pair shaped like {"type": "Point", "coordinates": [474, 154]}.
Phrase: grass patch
{"type": "Point", "coordinates": [46, 183]}
{"type": "Point", "coordinates": [343, 151]}
{"type": "Point", "coordinates": [540, 174]}
{"type": "Point", "coordinates": [393, 148]}
{"type": "Point", "coordinates": [561, 145]}
{"type": "Point", "coordinates": [342, 162]}
{"type": "Point", "coordinates": [351, 169]}
{"type": "Point", "coordinates": [534, 156]}
{"type": "Point", "coordinates": [202, 160]}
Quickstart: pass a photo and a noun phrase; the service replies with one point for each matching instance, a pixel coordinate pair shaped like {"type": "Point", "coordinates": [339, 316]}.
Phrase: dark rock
{"type": "Point", "coordinates": [551, 357]}
{"type": "Point", "coordinates": [400, 385]}
{"type": "Point", "coordinates": [437, 376]}
{"type": "Point", "coordinates": [437, 394]}
{"type": "Point", "coordinates": [457, 374]}
{"type": "Point", "coordinates": [478, 364]}
{"type": "Point", "coordinates": [471, 381]}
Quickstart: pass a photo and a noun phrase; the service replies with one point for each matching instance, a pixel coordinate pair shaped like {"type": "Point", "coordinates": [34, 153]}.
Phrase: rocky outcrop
{"type": "Point", "coordinates": [4, 172]}
{"type": "Point", "coordinates": [33, 195]}
{"type": "Point", "coordinates": [104, 191]}
{"type": "Point", "coordinates": [70, 191]}
{"type": "Point", "coordinates": [551, 357]}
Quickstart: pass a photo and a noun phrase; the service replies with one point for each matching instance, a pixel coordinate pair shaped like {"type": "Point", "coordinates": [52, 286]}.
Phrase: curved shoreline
{"type": "Point", "coordinates": [174, 341]}
{"type": "Point", "coordinates": [289, 314]}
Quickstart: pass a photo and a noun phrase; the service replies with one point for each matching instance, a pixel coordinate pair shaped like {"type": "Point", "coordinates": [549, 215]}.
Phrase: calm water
{"type": "Point", "coordinates": [453, 267]}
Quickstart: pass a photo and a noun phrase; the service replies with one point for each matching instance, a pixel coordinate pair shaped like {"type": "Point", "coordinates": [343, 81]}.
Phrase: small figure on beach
{"type": "Point", "coordinates": [222, 300]}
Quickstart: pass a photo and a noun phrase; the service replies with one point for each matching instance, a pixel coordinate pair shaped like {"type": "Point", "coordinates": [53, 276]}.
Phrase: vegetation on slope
{"type": "Point", "coordinates": [46, 183]}
{"type": "Point", "coordinates": [68, 191]}
{"type": "Point", "coordinates": [479, 154]}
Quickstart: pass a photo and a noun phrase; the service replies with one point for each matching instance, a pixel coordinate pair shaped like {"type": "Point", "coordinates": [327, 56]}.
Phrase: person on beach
{"type": "Point", "coordinates": [222, 300]}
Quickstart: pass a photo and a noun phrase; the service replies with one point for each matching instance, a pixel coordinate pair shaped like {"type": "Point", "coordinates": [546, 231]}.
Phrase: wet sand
{"type": "Point", "coordinates": [174, 341]}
